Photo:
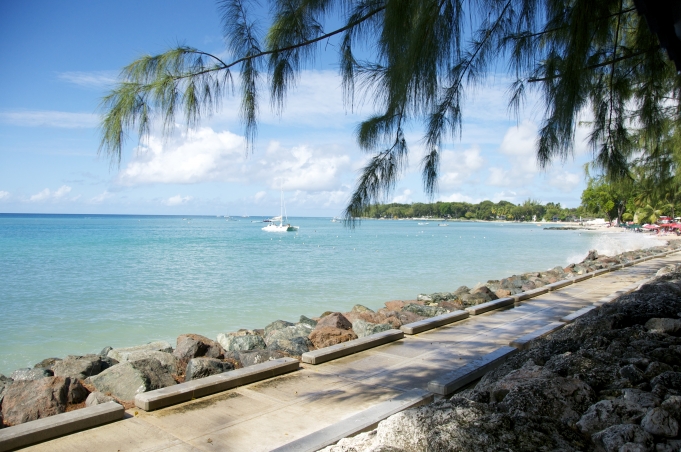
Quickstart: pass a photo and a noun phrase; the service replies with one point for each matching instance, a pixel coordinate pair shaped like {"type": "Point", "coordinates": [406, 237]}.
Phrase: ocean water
{"type": "Point", "coordinates": [73, 284]}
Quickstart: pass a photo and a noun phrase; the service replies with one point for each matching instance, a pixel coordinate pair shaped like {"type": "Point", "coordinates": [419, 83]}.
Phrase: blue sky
{"type": "Point", "coordinates": [59, 59]}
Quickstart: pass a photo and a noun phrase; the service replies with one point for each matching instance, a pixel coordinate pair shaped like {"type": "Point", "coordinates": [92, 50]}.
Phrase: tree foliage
{"type": "Point", "coordinates": [417, 61]}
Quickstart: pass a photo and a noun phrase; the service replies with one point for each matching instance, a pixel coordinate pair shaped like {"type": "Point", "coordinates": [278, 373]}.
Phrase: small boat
{"type": "Point", "coordinates": [281, 227]}
{"type": "Point", "coordinates": [422, 224]}
{"type": "Point", "coordinates": [442, 224]}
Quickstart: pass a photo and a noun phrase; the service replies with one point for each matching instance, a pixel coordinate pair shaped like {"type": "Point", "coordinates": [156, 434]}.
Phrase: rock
{"type": "Point", "coordinates": [406, 317]}
{"type": "Point", "coordinates": [656, 368]}
{"type": "Point", "coordinates": [607, 413]}
{"type": "Point", "coordinates": [335, 320]}
{"type": "Point", "coordinates": [502, 293]}
{"type": "Point", "coordinates": [127, 379]}
{"type": "Point", "coordinates": [204, 367]}
{"type": "Point", "coordinates": [486, 291]}
{"type": "Point", "coordinates": [423, 297]}
{"type": "Point", "coordinates": [120, 354]}
{"type": "Point", "coordinates": [363, 328]}
{"type": "Point", "coordinates": [105, 351]}
{"type": "Point", "coordinates": [671, 380]}
{"type": "Point", "coordinates": [307, 321]}
{"type": "Point", "coordinates": [659, 422]}
{"type": "Point", "coordinates": [326, 336]}
{"type": "Point", "coordinates": [242, 340]}
{"type": "Point", "coordinates": [30, 374]}
{"type": "Point", "coordinates": [424, 311]}
{"type": "Point", "coordinates": [291, 347]}
{"type": "Point", "coordinates": [28, 400]}
{"type": "Point", "coordinates": [640, 398]}
{"type": "Point", "coordinates": [277, 325]}
{"type": "Point", "coordinates": [673, 406]}
{"type": "Point", "coordinates": [288, 333]}
{"type": "Point", "coordinates": [361, 308]}
{"type": "Point", "coordinates": [79, 367]}
{"type": "Point", "coordinates": [96, 398]}
{"type": "Point", "coordinates": [167, 360]}
{"type": "Point", "coordinates": [667, 326]}
{"type": "Point", "coordinates": [47, 363]}
{"type": "Point", "coordinates": [475, 299]}
{"type": "Point", "coordinates": [194, 345]}
{"type": "Point", "coordinates": [252, 357]}
{"type": "Point", "coordinates": [395, 305]}
{"type": "Point", "coordinates": [612, 438]}
{"type": "Point", "coordinates": [632, 373]}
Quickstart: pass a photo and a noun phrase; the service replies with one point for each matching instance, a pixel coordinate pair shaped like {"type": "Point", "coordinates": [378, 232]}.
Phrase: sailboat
{"type": "Point", "coordinates": [281, 227]}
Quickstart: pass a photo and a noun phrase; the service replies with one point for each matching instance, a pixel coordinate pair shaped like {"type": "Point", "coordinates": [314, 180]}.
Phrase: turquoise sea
{"type": "Point", "coordinates": [73, 284]}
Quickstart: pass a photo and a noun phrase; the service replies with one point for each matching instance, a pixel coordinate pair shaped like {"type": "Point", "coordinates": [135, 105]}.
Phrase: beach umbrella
{"type": "Point", "coordinates": [650, 226]}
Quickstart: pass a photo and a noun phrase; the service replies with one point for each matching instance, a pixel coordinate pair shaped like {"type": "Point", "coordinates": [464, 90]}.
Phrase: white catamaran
{"type": "Point", "coordinates": [281, 227]}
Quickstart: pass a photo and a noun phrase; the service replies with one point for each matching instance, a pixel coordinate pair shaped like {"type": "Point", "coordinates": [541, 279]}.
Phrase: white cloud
{"type": "Point", "coordinates": [459, 197]}
{"type": "Point", "coordinates": [4, 194]}
{"type": "Point", "coordinates": [45, 118]}
{"type": "Point", "coordinates": [563, 180]}
{"type": "Point", "coordinates": [47, 194]}
{"type": "Point", "coordinates": [94, 79]}
{"type": "Point", "coordinates": [101, 197]}
{"type": "Point", "coordinates": [404, 198]}
{"type": "Point", "coordinates": [196, 156]}
{"type": "Point", "coordinates": [457, 167]}
{"type": "Point", "coordinates": [498, 176]}
{"type": "Point", "coordinates": [177, 200]}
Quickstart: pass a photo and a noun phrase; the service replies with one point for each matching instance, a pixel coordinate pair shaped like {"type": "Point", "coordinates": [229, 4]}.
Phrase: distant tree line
{"type": "Point", "coordinates": [530, 210]}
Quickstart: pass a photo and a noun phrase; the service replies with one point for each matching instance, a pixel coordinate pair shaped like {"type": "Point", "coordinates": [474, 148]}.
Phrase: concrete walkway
{"type": "Point", "coordinates": [271, 413]}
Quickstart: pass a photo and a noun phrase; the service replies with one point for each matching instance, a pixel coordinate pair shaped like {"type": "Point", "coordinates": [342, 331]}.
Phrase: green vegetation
{"type": "Point", "coordinates": [415, 62]}
{"type": "Point", "coordinates": [530, 210]}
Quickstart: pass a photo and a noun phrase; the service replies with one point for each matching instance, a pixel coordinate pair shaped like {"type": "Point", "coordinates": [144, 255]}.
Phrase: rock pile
{"type": "Point", "coordinates": [611, 381]}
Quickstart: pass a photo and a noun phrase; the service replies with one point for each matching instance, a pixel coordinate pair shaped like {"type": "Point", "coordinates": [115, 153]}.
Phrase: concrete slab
{"type": "Point", "coordinates": [559, 284]}
{"type": "Point", "coordinates": [491, 305]}
{"type": "Point", "coordinates": [350, 347]}
{"type": "Point", "coordinates": [530, 294]}
{"type": "Point", "coordinates": [583, 277]}
{"type": "Point", "coordinates": [457, 379]}
{"type": "Point", "coordinates": [202, 387]}
{"type": "Point", "coordinates": [577, 314]}
{"type": "Point", "coordinates": [523, 342]}
{"type": "Point", "coordinates": [601, 272]}
{"type": "Point", "coordinates": [48, 428]}
{"type": "Point", "coordinates": [360, 422]}
{"type": "Point", "coordinates": [434, 322]}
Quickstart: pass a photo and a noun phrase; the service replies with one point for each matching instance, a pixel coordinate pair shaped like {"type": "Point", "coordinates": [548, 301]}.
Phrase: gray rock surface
{"type": "Point", "coordinates": [660, 422]}
{"type": "Point", "coordinates": [612, 439]}
{"type": "Point", "coordinates": [276, 325]}
{"type": "Point", "coordinates": [205, 367]}
{"type": "Point", "coordinates": [30, 374]}
{"type": "Point", "coordinates": [47, 363]}
{"type": "Point", "coordinates": [291, 347]}
{"type": "Point", "coordinates": [363, 328]}
{"type": "Point", "coordinates": [252, 357]}
{"type": "Point", "coordinates": [307, 321]}
{"type": "Point", "coordinates": [127, 379]}
{"type": "Point", "coordinates": [667, 326]}
{"type": "Point", "coordinates": [28, 400]}
{"type": "Point", "coordinates": [167, 360]}
{"type": "Point", "coordinates": [120, 354]}
{"type": "Point", "coordinates": [96, 398]}
{"type": "Point", "coordinates": [242, 340]}
{"type": "Point", "coordinates": [194, 345]}
{"type": "Point", "coordinates": [424, 311]}
{"type": "Point", "coordinates": [289, 333]}
{"type": "Point", "coordinates": [79, 367]}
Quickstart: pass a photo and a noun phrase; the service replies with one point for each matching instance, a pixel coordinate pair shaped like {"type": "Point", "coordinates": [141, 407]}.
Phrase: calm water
{"type": "Point", "coordinates": [72, 284]}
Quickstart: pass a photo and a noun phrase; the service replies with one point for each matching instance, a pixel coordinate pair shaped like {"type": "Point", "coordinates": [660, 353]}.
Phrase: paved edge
{"type": "Point", "coordinates": [458, 378]}
{"type": "Point", "coordinates": [358, 423]}
{"type": "Point", "coordinates": [577, 314]}
{"type": "Point", "coordinates": [490, 305]}
{"type": "Point", "coordinates": [559, 284]}
{"type": "Point", "coordinates": [194, 389]}
{"type": "Point", "coordinates": [434, 322]}
{"type": "Point", "coordinates": [530, 294]}
{"type": "Point", "coordinates": [48, 428]}
{"type": "Point", "coordinates": [523, 342]}
{"type": "Point", "coordinates": [350, 347]}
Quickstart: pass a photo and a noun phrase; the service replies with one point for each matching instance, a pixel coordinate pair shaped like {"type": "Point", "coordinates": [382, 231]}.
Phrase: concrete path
{"type": "Point", "coordinates": [271, 413]}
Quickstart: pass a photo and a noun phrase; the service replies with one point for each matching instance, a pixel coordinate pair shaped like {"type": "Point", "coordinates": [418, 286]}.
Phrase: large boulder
{"type": "Point", "coordinates": [424, 311]}
{"type": "Point", "coordinates": [326, 336]}
{"type": "Point", "coordinates": [363, 328]}
{"type": "Point", "coordinates": [667, 326]}
{"type": "Point", "coordinates": [307, 321]}
{"type": "Point", "coordinates": [194, 345]}
{"type": "Point", "coordinates": [79, 367]}
{"type": "Point", "coordinates": [30, 374]}
{"type": "Point", "coordinates": [167, 360]}
{"type": "Point", "coordinates": [47, 363]}
{"type": "Point", "coordinates": [120, 354]}
{"type": "Point", "coordinates": [335, 320]}
{"type": "Point", "coordinates": [97, 398]}
{"type": "Point", "coordinates": [205, 367]}
{"type": "Point", "coordinates": [288, 333]}
{"type": "Point", "coordinates": [291, 347]}
{"type": "Point", "coordinates": [242, 340]}
{"type": "Point", "coordinates": [28, 400]}
{"type": "Point", "coordinates": [276, 325]}
{"type": "Point", "coordinates": [125, 380]}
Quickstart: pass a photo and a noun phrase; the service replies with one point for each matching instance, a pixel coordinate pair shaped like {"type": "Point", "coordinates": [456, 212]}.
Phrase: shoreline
{"type": "Point", "coordinates": [196, 356]}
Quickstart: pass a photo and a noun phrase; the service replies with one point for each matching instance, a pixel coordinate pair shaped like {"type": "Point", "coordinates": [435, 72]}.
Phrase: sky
{"type": "Point", "coordinates": [60, 58]}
